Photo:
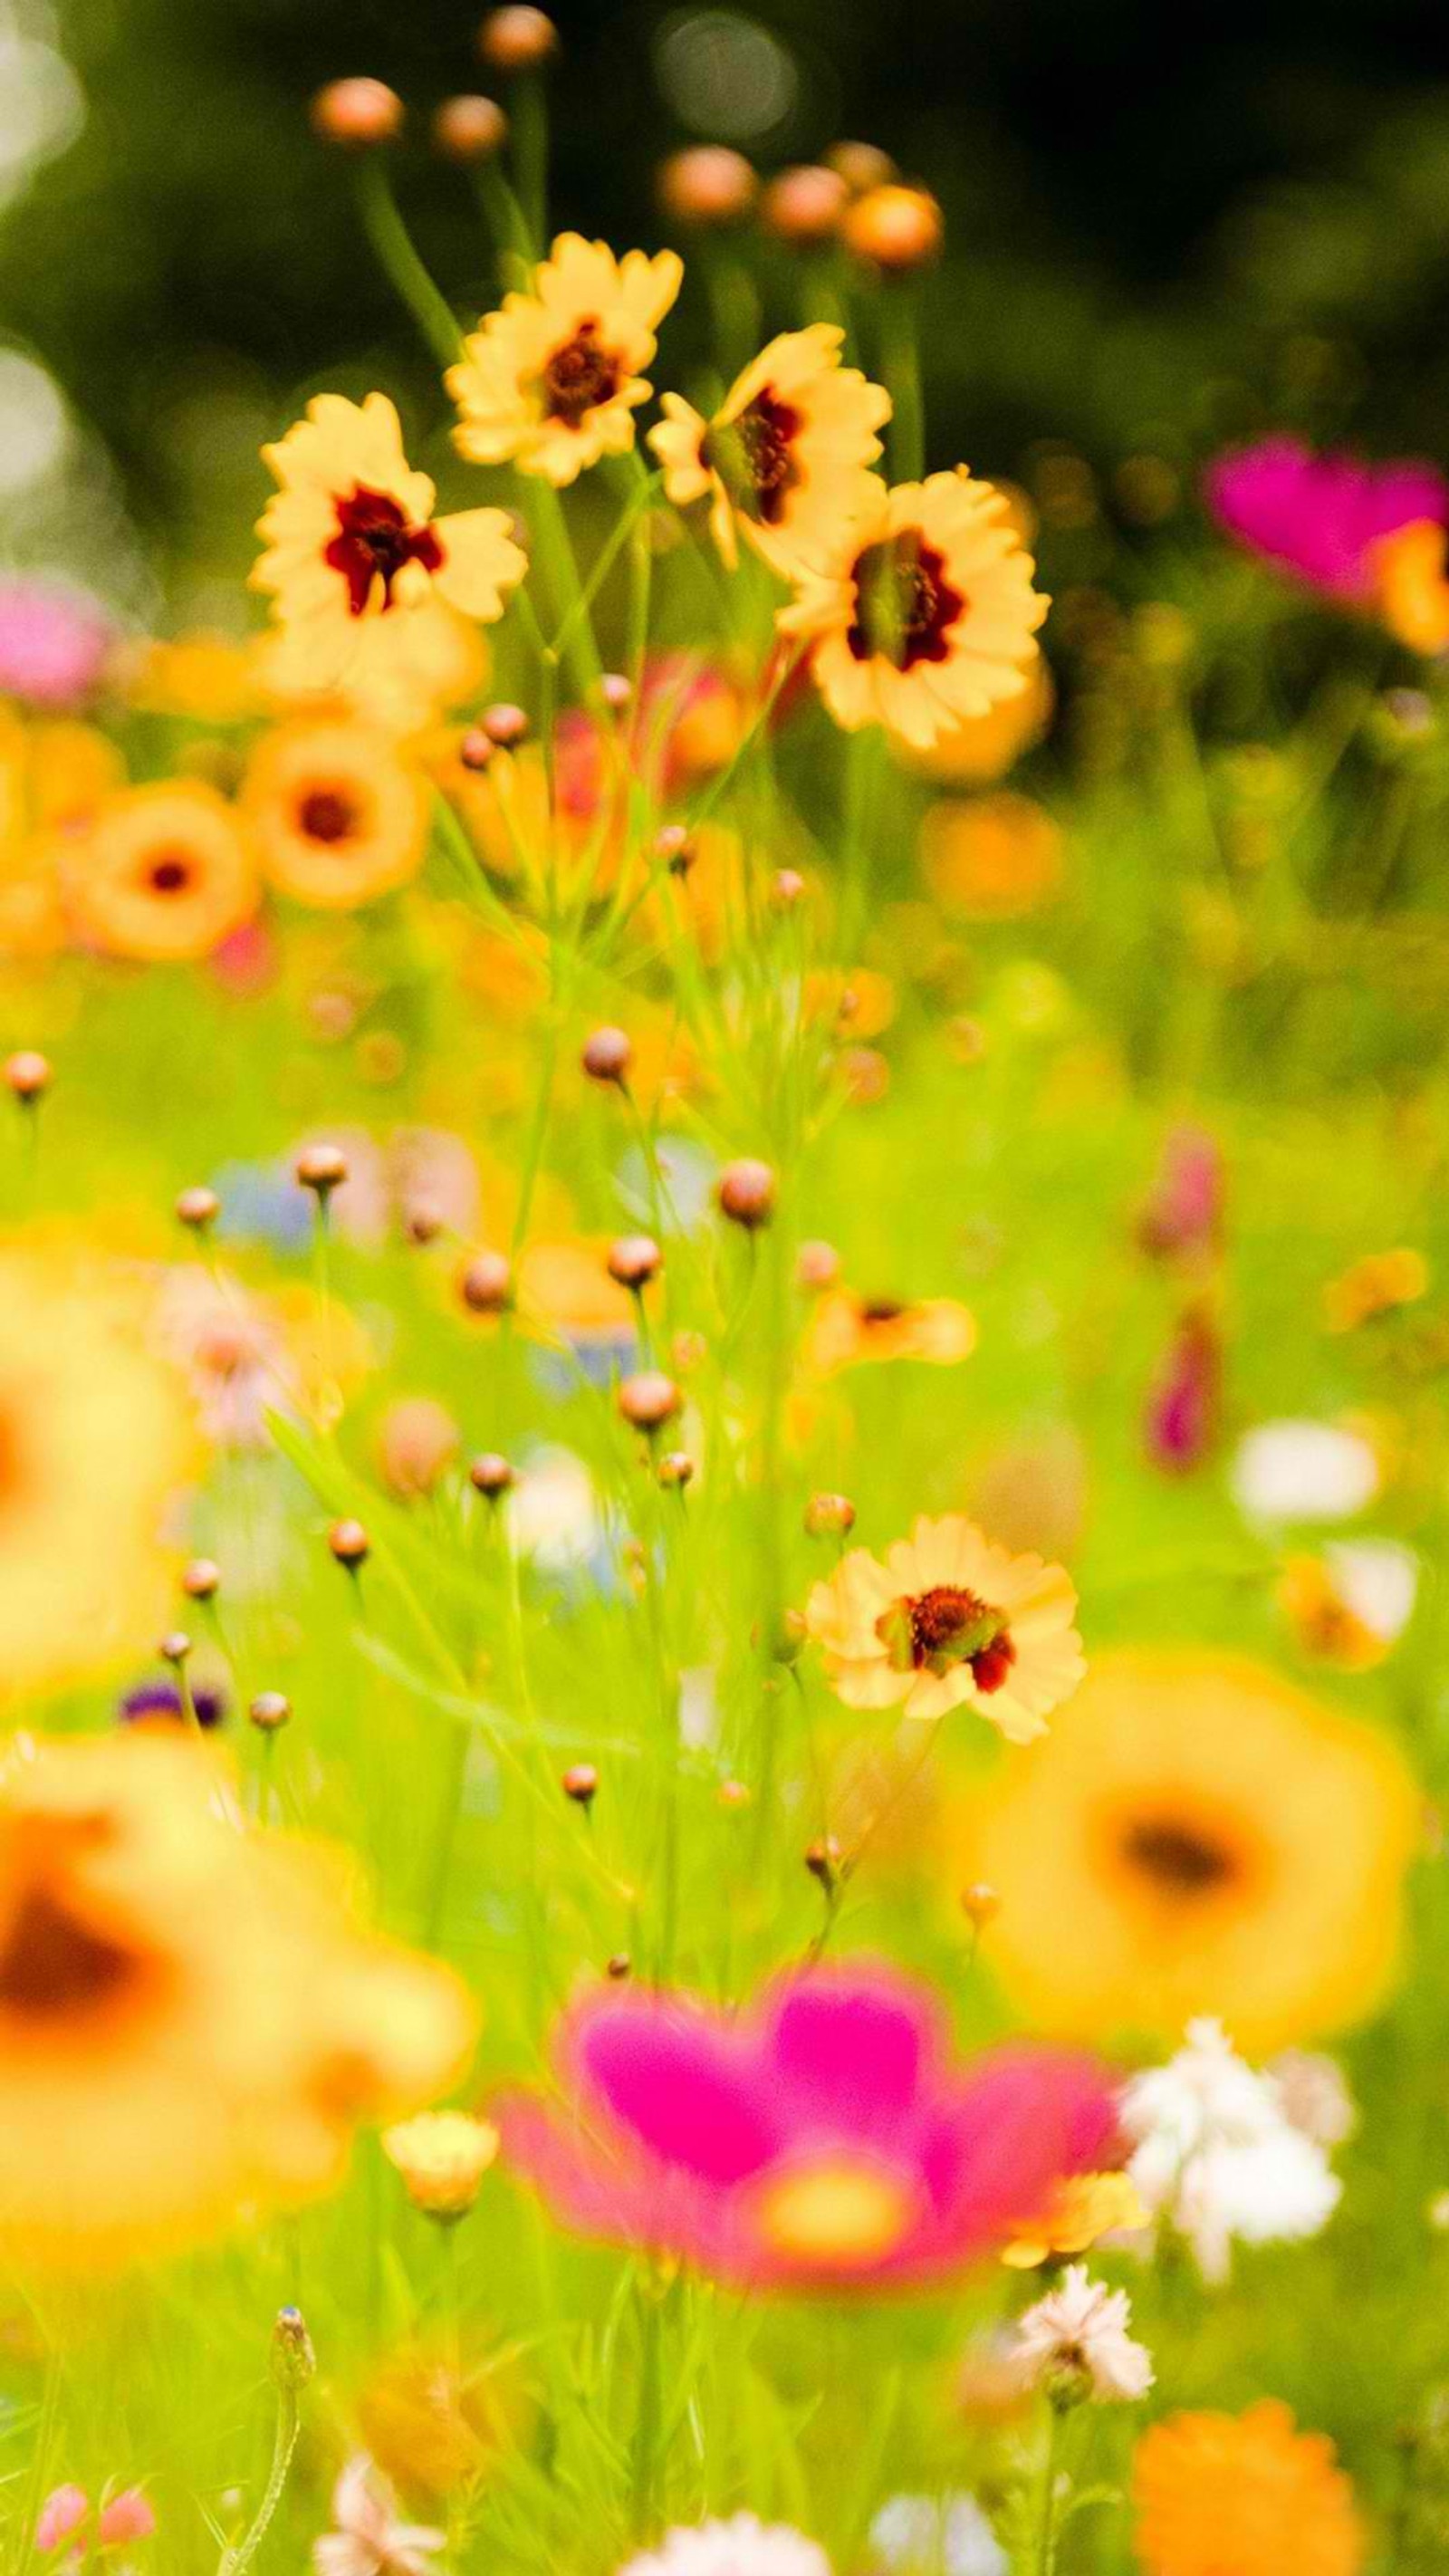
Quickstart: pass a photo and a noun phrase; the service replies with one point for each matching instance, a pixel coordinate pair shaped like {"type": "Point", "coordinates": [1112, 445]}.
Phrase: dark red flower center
{"type": "Point", "coordinates": [882, 1310]}
{"type": "Point", "coordinates": [579, 376]}
{"type": "Point", "coordinates": [1179, 1858]}
{"type": "Point", "coordinates": [374, 540]}
{"type": "Point", "coordinates": [56, 1969]}
{"type": "Point", "coordinates": [328, 814]}
{"type": "Point", "coordinates": [932, 1631]}
{"type": "Point", "coordinates": [171, 873]}
{"type": "Point", "coordinates": [753, 455]}
{"type": "Point", "coordinates": [904, 605]}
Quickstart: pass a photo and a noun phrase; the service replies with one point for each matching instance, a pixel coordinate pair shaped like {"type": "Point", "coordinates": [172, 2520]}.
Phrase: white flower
{"type": "Point", "coordinates": [1303, 1471]}
{"type": "Point", "coordinates": [556, 1515]}
{"type": "Point", "coordinates": [743, 2546]}
{"type": "Point", "coordinates": [1218, 2156]}
{"type": "Point", "coordinates": [1077, 2335]}
{"type": "Point", "coordinates": [917, 2535]}
{"type": "Point", "coordinates": [1377, 1580]}
{"type": "Point", "coordinates": [369, 2540]}
{"type": "Point", "coordinates": [1314, 2095]}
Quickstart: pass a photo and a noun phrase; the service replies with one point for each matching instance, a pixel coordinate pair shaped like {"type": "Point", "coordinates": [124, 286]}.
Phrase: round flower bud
{"type": "Point", "coordinates": [442, 2157]}
{"type": "Point", "coordinates": [27, 1075]}
{"type": "Point", "coordinates": [486, 1285]}
{"type": "Point", "coordinates": [201, 1580]}
{"type": "Point", "coordinates": [787, 889]}
{"type": "Point", "coordinates": [862, 166]}
{"type": "Point", "coordinates": [818, 1267]}
{"type": "Point", "coordinates": [517, 40]}
{"type": "Point", "coordinates": [648, 1400]}
{"type": "Point", "coordinates": [349, 1542]}
{"type": "Point", "coordinates": [476, 748]}
{"type": "Point", "coordinates": [822, 1859]}
{"type": "Point", "coordinates": [635, 1259]}
{"type": "Point", "coordinates": [198, 1208]}
{"type": "Point", "coordinates": [674, 846]}
{"type": "Point", "coordinates": [897, 229]}
{"type": "Point", "coordinates": [980, 1905]}
{"type": "Point", "coordinates": [618, 1966]}
{"type": "Point", "coordinates": [174, 1647]}
{"type": "Point", "coordinates": [293, 2360]}
{"type": "Point", "coordinates": [802, 207]}
{"type": "Point", "coordinates": [746, 1193]}
{"type": "Point", "coordinates": [706, 184]}
{"type": "Point", "coordinates": [470, 128]}
{"type": "Point", "coordinates": [269, 1711]}
{"type": "Point", "coordinates": [617, 691]}
{"type": "Point", "coordinates": [829, 1515]}
{"type": "Point", "coordinates": [359, 113]}
{"type": "Point", "coordinates": [607, 1055]}
{"type": "Point", "coordinates": [505, 726]}
{"type": "Point", "coordinates": [322, 1168]}
{"type": "Point", "coordinates": [491, 1474]}
{"type": "Point", "coordinates": [581, 1783]}
{"type": "Point", "coordinates": [676, 1469]}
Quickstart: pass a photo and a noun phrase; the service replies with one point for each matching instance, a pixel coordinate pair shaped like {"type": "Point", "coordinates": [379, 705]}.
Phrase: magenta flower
{"type": "Point", "coordinates": [821, 2139]}
{"type": "Point", "coordinates": [1184, 1409]}
{"type": "Point", "coordinates": [53, 643]}
{"type": "Point", "coordinates": [1183, 1214]}
{"type": "Point", "coordinates": [1319, 517]}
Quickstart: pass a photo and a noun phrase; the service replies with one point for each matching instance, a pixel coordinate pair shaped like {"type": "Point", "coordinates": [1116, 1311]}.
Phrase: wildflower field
{"type": "Point", "coordinates": [724, 1323]}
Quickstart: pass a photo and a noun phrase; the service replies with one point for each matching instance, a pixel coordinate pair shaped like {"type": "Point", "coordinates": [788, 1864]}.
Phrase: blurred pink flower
{"type": "Point", "coordinates": [1184, 1408]}
{"type": "Point", "coordinates": [1183, 1213]}
{"type": "Point", "coordinates": [822, 2139]}
{"type": "Point", "coordinates": [1319, 517]}
{"type": "Point", "coordinates": [128, 2516]}
{"type": "Point", "coordinates": [53, 643]}
{"type": "Point", "coordinates": [61, 2515]}
{"type": "Point", "coordinates": [369, 2539]}
{"type": "Point", "coordinates": [66, 2512]}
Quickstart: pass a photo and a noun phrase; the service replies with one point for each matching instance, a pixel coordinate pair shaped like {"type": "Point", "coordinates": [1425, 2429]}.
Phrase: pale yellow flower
{"type": "Point", "coordinates": [784, 458]}
{"type": "Point", "coordinates": [552, 380]}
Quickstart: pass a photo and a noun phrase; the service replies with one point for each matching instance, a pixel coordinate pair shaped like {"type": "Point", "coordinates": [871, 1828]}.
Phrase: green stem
{"type": "Point", "coordinates": [289, 2424]}
{"type": "Point", "coordinates": [1046, 2555]}
{"type": "Point", "coordinates": [554, 547]}
{"type": "Point", "coordinates": [901, 367]}
{"type": "Point", "coordinates": [393, 245]}
{"type": "Point", "coordinates": [528, 128]}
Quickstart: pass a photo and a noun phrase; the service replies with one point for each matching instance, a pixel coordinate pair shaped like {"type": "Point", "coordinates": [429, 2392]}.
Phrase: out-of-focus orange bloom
{"type": "Point", "coordinates": [1085, 2207]}
{"type": "Point", "coordinates": [991, 858]}
{"type": "Point", "coordinates": [846, 1330]}
{"type": "Point", "coordinates": [985, 747]}
{"type": "Point", "coordinates": [1411, 586]}
{"type": "Point", "coordinates": [1374, 1286]}
{"type": "Point", "coordinates": [1246, 2492]}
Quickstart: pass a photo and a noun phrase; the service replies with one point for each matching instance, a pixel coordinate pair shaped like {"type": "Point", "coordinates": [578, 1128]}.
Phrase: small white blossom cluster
{"type": "Point", "coordinates": [743, 2546]}
{"type": "Point", "coordinates": [1075, 2343]}
{"type": "Point", "coordinates": [1218, 2156]}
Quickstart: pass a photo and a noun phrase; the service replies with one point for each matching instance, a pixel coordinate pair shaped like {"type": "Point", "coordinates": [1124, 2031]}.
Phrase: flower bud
{"type": "Point", "coordinates": [27, 1075]}
{"type": "Point", "coordinates": [486, 1285]}
{"type": "Point", "coordinates": [505, 726]}
{"type": "Point", "coordinates": [674, 846]}
{"type": "Point", "coordinates": [423, 1221]}
{"type": "Point", "coordinates": [517, 40]}
{"type": "Point", "coordinates": [676, 1469]}
{"type": "Point", "coordinates": [895, 228]}
{"type": "Point", "coordinates": [349, 1543]}
{"type": "Point", "coordinates": [618, 1966]}
{"type": "Point", "coordinates": [293, 2360]}
{"type": "Point", "coordinates": [733, 1793]}
{"type": "Point", "coordinates": [492, 1475]}
{"type": "Point", "coordinates": [470, 128]}
{"type": "Point", "coordinates": [607, 1056]}
{"type": "Point", "coordinates": [818, 1267]}
{"type": "Point", "coordinates": [822, 1859]}
{"type": "Point", "coordinates": [581, 1783]}
{"type": "Point", "coordinates": [706, 184]}
{"type": "Point", "coordinates": [802, 207]}
{"type": "Point", "coordinates": [863, 166]}
{"type": "Point", "coordinates": [829, 1515]}
{"type": "Point", "coordinates": [648, 1400]}
{"type": "Point", "coordinates": [617, 691]}
{"type": "Point", "coordinates": [174, 1647]}
{"type": "Point", "coordinates": [787, 888]}
{"type": "Point", "coordinates": [321, 1168]}
{"type": "Point", "coordinates": [442, 2157]}
{"type": "Point", "coordinates": [359, 113]}
{"type": "Point", "coordinates": [476, 748]}
{"type": "Point", "coordinates": [198, 1208]}
{"type": "Point", "coordinates": [269, 1711]}
{"type": "Point", "coordinates": [980, 1905]}
{"type": "Point", "coordinates": [635, 1259]}
{"type": "Point", "coordinates": [746, 1193]}
{"type": "Point", "coordinates": [201, 1579]}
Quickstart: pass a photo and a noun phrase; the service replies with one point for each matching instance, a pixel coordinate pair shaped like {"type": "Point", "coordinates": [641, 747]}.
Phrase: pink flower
{"type": "Point", "coordinates": [1184, 1210]}
{"type": "Point", "coordinates": [821, 2139]}
{"type": "Point", "coordinates": [128, 2516]}
{"type": "Point", "coordinates": [53, 643]}
{"type": "Point", "coordinates": [66, 2512]}
{"type": "Point", "coordinates": [368, 2538]}
{"type": "Point", "coordinates": [1320, 516]}
{"type": "Point", "coordinates": [1184, 1408]}
{"type": "Point", "coordinates": [61, 2515]}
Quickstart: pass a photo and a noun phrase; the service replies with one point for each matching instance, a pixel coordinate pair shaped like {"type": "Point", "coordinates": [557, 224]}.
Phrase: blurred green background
{"type": "Point", "coordinates": [1162, 228]}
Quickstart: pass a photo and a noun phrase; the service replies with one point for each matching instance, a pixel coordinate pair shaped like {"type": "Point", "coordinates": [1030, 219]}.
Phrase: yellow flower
{"type": "Point", "coordinates": [985, 747]}
{"type": "Point", "coordinates": [95, 1442]}
{"type": "Point", "coordinates": [950, 1618]}
{"type": "Point", "coordinates": [1218, 1843]}
{"type": "Point", "coordinates": [1373, 1287]}
{"type": "Point", "coordinates": [442, 2157]}
{"type": "Point", "coordinates": [338, 815]}
{"type": "Point", "coordinates": [551, 381]}
{"type": "Point", "coordinates": [205, 678]}
{"type": "Point", "coordinates": [846, 1330]}
{"type": "Point", "coordinates": [785, 456]}
{"type": "Point", "coordinates": [991, 858]}
{"type": "Point", "coordinates": [922, 613]}
{"type": "Point", "coordinates": [190, 2024]}
{"type": "Point", "coordinates": [1085, 2207]}
{"type": "Point", "coordinates": [1411, 586]}
{"type": "Point", "coordinates": [1243, 2495]}
{"type": "Point", "coordinates": [357, 565]}
{"type": "Point", "coordinates": [164, 873]}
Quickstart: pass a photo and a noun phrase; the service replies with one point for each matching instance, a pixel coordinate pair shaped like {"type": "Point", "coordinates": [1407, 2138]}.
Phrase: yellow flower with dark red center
{"type": "Point", "coordinates": [786, 456]}
{"type": "Point", "coordinates": [357, 565]}
{"type": "Point", "coordinates": [338, 815]}
{"type": "Point", "coordinates": [1411, 586]}
{"type": "Point", "coordinates": [991, 858]}
{"type": "Point", "coordinates": [949, 1620]}
{"type": "Point", "coordinates": [1219, 1843]}
{"type": "Point", "coordinates": [1083, 2208]}
{"type": "Point", "coordinates": [1374, 1286]}
{"type": "Point", "coordinates": [922, 612]}
{"type": "Point", "coordinates": [1243, 2495]}
{"type": "Point", "coordinates": [95, 1443]}
{"type": "Point", "coordinates": [164, 872]}
{"type": "Point", "coordinates": [552, 380]}
{"type": "Point", "coordinates": [846, 1330]}
{"type": "Point", "coordinates": [442, 2157]}
{"type": "Point", "coordinates": [190, 2023]}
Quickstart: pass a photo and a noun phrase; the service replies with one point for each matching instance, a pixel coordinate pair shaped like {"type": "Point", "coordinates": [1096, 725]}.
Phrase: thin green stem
{"type": "Point", "coordinates": [901, 368]}
{"type": "Point", "coordinates": [236, 2561]}
{"type": "Point", "coordinates": [401, 263]}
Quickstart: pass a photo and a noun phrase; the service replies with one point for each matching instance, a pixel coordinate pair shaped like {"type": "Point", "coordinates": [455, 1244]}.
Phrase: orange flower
{"type": "Point", "coordinates": [950, 1619]}
{"type": "Point", "coordinates": [1374, 1286]}
{"type": "Point", "coordinates": [1411, 587]}
{"type": "Point", "coordinates": [1243, 2495]}
{"type": "Point", "coordinates": [165, 873]}
{"type": "Point", "coordinates": [846, 1330]}
{"type": "Point", "coordinates": [339, 817]}
{"type": "Point", "coordinates": [984, 748]}
{"type": "Point", "coordinates": [991, 858]}
{"type": "Point", "coordinates": [1084, 2208]}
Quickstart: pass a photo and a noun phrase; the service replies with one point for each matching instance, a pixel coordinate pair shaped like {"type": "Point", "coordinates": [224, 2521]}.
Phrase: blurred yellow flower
{"type": "Point", "coordinates": [1411, 588]}
{"type": "Point", "coordinates": [920, 613]}
{"type": "Point", "coordinates": [991, 858]}
{"type": "Point", "coordinates": [984, 748]}
{"type": "Point", "coordinates": [95, 1444]}
{"type": "Point", "coordinates": [846, 1330]}
{"type": "Point", "coordinates": [164, 873]}
{"type": "Point", "coordinates": [949, 1619]}
{"type": "Point", "coordinates": [338, 815]}
{"type": "Point", "coordinates": [551, 381]}
{"type": "Point", "coordinates": [1218, 1843]}
{"type": "Point", "coordinates": [207, 678]}
{"type": "Point", "coordinates": [1243, 2495]}
{"type": "Point", "coordinates": [1085, 2207]}
{"type": "Point", "coordinates": [354, 560]}
{"type": "Point", "coordinates": [190, 2024]}
{"type": "Point", "coordinates": [434, 2421]}
{"type": "Point", "coordinates": [785, 457]}
{"type": "Point", "coordinates": [1374, 1286]}
{"type": "Point", "coordinates": [442, 2157]}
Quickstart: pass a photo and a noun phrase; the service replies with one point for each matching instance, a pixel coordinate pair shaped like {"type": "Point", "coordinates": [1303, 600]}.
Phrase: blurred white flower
{"type": "Point", "coordinates": [1378, 1580]}
{"type": "Point", "coordinates": [369, 2539]}
{"type": "Point", "coordinates": [555, 1513]}
{"type": "Point", "coordinates": [743, 2546]}
{"type": "Point", "coordinates": [1076, 2339]}
{"type": "Point", "coordinates": [1303, 1471]}
{"type": "Point", "coordinates": [917, 2535]}
{"type": "Point", "coordinates": [1314, 2095]}
{"type": "Point", "coordinates": [1217, 2156]}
